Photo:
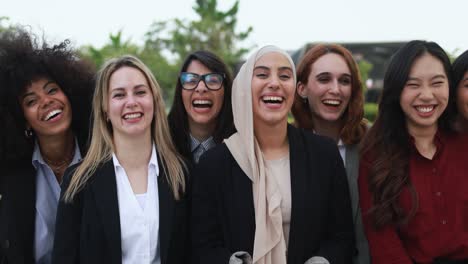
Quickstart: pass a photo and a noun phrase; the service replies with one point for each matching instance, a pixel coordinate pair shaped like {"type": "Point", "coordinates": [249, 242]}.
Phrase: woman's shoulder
{"type": "Point", "coordinates": [70, 171]}
{"type": "Point", "coordinates": [313, 141]}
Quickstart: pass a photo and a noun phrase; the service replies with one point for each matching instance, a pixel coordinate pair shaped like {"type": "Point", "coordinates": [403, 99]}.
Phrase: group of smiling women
{"type": "Point", "coordinates": [94, 171]}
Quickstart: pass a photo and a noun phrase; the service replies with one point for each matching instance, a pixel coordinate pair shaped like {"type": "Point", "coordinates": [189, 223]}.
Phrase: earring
{"type": "Point", "coordinates": [304, 99]}
{"type": "Point", "coordinates": [28, 133]}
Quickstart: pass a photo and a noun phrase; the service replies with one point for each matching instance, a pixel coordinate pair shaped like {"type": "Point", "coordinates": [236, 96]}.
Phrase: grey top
{"type": "Point", "coordinates": [198, 148]}
{"type": "Point", "coordinates": [352, 172]}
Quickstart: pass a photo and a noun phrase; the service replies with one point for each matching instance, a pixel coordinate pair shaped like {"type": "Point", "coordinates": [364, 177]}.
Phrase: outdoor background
{"type": "Point", "coordinates": [163, 32]}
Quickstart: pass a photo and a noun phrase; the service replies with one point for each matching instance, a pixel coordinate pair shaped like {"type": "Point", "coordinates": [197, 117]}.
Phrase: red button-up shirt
{"type": "Point", "coordinates": [440, 226]}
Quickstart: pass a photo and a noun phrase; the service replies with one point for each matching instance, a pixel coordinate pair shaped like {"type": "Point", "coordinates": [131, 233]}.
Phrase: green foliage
{"type": "Point", "coordinates": [4, 25]}
{"type": "Point", "coordinates": [214, 30]}
{"type": "Point", "coordinates": [161, 68]}
{"type": "Point", "coordinates": [167, 43]}
{"type": "Point", "coordinates": [364, 69]}
{"type": "Point", "coordinates": [114, 48]}
{"type": "Point", "coordinates": [370, 111]}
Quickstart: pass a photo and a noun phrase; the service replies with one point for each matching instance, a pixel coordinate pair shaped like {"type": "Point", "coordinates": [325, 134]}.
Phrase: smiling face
{"type": "Point", "coordinates": [328, 87]}
{"type": "Point", "coordinates": [202, 105]}
{"type": "Point", "coordinates": [425, 95]}
{"type": "Point", "coordinates": [462, 97]}
{"type": "Point", "coordinates": [130, 105]}
{"type": "Point", "coordinates": [273, 89]}
{"type": "Point", "coordinates": [46, 108]}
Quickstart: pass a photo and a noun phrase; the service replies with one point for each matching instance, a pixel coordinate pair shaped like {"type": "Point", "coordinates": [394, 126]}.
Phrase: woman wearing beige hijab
{"type": "Point", "coordinates": [271, 192]}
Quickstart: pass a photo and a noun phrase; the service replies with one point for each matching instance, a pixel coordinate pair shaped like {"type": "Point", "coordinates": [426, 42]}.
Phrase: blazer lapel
{"type": "Point", "coordinates": [105, 192]}
{"type": "Point", "coordinates": [166, 212]}
{"type": "Point", "coordinates": [298, 159]}
{"type": "Point", "coordinates": [21, 208]}
{"type": "Point", "coordinates": [352, 170]}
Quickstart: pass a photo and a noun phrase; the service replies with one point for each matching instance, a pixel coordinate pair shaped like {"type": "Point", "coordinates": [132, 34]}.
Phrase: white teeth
{"type": "Point", "coordinates": [204, 102]}
{"type": "Point", "coordinates": [131, 116]}
{"type": "Point", "coordinates": [52, 113]}
{"type": "Point", "coordinates": [332, 102]}
{"type": "Point", "coordinates": [424, 109]}
{"type": "Point", "coordinates": [272, 98]}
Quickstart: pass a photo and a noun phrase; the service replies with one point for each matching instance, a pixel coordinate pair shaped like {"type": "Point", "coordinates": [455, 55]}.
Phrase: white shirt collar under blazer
{"type": "Point", "coordinates": [139, 227]}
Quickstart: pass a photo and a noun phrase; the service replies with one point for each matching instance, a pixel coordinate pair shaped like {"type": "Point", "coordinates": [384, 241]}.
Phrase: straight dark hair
{"type": "Point", "coordinates": [460, 67]}
{"type": "Point", "coordinates": [387, 144]}
{"type": "Point", "coordinates": [178, 119]}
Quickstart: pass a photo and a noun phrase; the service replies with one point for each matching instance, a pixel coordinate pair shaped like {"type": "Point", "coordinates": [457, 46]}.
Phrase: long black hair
{"type": "Point", "coordinates": [460, 67]}
{"type": "Point", "coordinates": [387, 142]}
{"type": "Point", "coordinates": [178, 119]}
{"type": "Point", "coordinates": [24, 58]}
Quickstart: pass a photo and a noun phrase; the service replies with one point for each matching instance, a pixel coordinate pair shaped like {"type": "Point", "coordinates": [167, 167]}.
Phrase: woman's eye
{"type": "Point", "coordinates": [437, 84]}
{"type": "Point", "coordinates": [30, 102]}
{"type": "Point", "coordinates": [261, 75]}
{"type": "Point", "coordinates": [412, 85]}
{"type": "Point", "coordinates": [345, 81]}
{"type": "Point", "coordinates": [285, 76]}
{"type": "Point", "coordinates": [118, 95]}
{"type": "Point", "coordinates": [323, 80]}
{"type": "Point", "coordinates": [53, 90]}
{"type": "Point", "coordinates": [141, 92]}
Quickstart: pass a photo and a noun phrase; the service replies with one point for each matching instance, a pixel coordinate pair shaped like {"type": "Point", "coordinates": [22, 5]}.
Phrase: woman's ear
{"type": "Point", "coordinates": [301, 90]}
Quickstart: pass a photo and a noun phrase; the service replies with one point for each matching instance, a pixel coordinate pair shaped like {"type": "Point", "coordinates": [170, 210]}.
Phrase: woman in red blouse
{"type": "Point", "coordinates": [412, 179]}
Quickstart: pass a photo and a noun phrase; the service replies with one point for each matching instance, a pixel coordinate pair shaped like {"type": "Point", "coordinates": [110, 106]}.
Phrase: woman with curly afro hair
{"type": "Point", "coordinates": [46, 93]}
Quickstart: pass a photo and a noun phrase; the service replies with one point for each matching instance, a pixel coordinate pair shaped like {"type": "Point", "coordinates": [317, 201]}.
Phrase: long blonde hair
{"type": "Point", "coordinates": [101, 146]}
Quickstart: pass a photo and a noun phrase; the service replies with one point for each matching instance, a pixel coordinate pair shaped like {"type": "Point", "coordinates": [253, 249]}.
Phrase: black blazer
{"type": "Point", "coordinates": [223, 217]}
{"type": "Point", "coordinates": [88, 229]}
{"type": "Point", "coordinates": [17, 212]}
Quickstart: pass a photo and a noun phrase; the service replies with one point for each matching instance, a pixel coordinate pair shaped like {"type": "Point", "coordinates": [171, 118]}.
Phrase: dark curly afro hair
{"type": "Point", "coordinates": [25, 58]}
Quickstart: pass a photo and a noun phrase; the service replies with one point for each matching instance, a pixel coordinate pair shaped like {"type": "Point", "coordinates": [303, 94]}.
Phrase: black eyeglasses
{"type": "Point", "coordinates": [190, 81]}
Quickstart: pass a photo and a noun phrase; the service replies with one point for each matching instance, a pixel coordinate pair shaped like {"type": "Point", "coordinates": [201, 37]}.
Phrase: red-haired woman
{"type": "Point", "coordinates": [330, 103]}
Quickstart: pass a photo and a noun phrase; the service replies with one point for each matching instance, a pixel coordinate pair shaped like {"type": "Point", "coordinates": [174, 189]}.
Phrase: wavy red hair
{"type": "Point", "coordinates": [355, 125]}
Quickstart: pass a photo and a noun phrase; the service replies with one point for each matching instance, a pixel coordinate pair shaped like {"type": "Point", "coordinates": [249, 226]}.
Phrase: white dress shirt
{"type": "Point", "coordinates": [342, 149]}
{"type": "Point", "coordinates": [139, 217]}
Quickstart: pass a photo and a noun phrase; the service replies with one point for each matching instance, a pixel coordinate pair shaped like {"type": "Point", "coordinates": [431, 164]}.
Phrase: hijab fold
{"type": "Point", "coordinates": [269, 242]}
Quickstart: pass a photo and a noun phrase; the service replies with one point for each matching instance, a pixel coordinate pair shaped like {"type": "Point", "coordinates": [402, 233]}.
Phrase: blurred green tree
{"type": "Point", "coordinates": [167, 43]}
{"type": "Point", "coordinates": [365, 67]}
{"type": "Point", "coordinates": [214, 30]}
{"type": "Point", "coordinates": [4, 25]}
{"type": "Point", "coordinates": [164, 72]}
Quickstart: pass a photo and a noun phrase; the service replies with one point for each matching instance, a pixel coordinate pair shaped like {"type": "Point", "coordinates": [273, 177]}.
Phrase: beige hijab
{"type": "Point", "coordinates": [269, 243]}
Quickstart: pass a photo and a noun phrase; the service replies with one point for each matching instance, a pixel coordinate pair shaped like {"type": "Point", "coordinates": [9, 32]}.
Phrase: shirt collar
{"type": "Point", "coordinates": [38, 160]}
{"type": "Point", "coordinates": [207, 143]}
{"type": "Point", "coordinates": [439, 142]}
{"type": "Point", "coordinates": [153, 162]}
{"type": "Point", "coordinates": [340, 143]}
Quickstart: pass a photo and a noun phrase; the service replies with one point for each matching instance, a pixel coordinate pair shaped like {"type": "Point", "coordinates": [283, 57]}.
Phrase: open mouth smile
{"type": "Point", "coordinates": [199, 103]}
{"type": "Point", "coordinates": [331, 102]}
{"type": "Point", "coordinates": [52, 115]}
{"type": "Point", "coordinates": [131, 116]}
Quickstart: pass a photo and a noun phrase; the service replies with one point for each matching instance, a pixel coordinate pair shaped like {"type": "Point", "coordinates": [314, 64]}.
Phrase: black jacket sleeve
{"type": "Point", "coordinates": [338, 248]}
{"type": "Point", "coordinates": [67, 227]}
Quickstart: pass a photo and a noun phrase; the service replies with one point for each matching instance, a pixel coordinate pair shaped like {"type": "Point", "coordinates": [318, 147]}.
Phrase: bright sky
{"type": "Point", "coordinates": [288, 24]}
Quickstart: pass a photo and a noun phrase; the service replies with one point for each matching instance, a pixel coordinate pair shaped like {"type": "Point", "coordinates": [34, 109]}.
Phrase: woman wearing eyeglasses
{"type": "Point", "coordinates": [201, 113]}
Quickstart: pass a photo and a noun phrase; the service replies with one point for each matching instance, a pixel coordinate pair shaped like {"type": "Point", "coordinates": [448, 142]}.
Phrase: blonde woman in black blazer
{"type": "Point", "coordinates": [240, 211]}
{"type": "Point", "coordinates": [126, 202]}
